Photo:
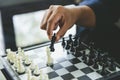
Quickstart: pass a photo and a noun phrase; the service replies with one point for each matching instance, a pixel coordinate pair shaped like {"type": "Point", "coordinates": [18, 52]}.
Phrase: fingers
{"type": "Point", "coordinates": [61, 32]}
{"type": "Point", "coordinates": [52, 23]}
{"type": "Point", "coordinates": [46, 17]}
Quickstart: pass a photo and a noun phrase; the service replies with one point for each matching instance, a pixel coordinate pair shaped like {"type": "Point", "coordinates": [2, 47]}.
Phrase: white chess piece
{"type": "Point", "coordinates": [12, 57]}
{"type": "Point", "coordinates": [8, 51]}
{"type": "Point", "coordinates": [16, 61]}
{"type": "Point", "coordinates": [29, 74]}
{"type": "Point", "coordinates": [49, 58]}
{"type": "Point", "coordinates": [46, 77]}
{"type": "Point", "coordinates": [27, 60]}
{"type": "Point", "coordinates": [20, 68]}
{"type": "Point", "coordinates": [41, 75]}
{"type": "Point", "coordinates": [36, 71]}
{"type": "Point", "coordinates": [32, 66]}
{"type": "Point", "coordinates": [34, 78]}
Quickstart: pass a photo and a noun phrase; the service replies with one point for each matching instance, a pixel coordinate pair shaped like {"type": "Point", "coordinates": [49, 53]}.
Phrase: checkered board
{"type": "Point", "coordinates": [65, 66]}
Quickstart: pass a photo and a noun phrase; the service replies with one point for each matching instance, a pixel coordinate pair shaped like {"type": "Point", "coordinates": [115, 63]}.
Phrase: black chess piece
{"type": "Point", "coordinates": [95, 65]}
{"type": "Point", "coordinates": [63, 42]}
{"type": "Point", "coordinates": [92, 53]}
{"type": "Point", "coordinates": [103, 71]}
{"type": "Point", "coordinates": [84, 57]}
{"type": "Point", "coordinates": [72, 49]}
{"type": "Point", "coordinates": [76, 41]}
{"type": "Point", "coordinates": [90, 61]}
{"type": "Point", "coordinates": [69, 42]}
{"type": "Point", "coordinates": [67, 45]}
{"type": "Point", "coordinates": [112, 65]}
{"type": "Point", "coordinates": [52, 49]}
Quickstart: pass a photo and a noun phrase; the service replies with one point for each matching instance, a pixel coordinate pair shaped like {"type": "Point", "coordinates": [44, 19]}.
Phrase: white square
{"type": "Point", "coordinates": [70, 56]}
{"type": "Point", "coordinates": [77, 73]}
{"type": "Point", "coordinates": [56, 78]}
{"type": "Point", "coordinates": [66, 63]}
{"type": "Point", "coordinates": [47, 69]}
{"type": "Point", "coordinates": [94, 75]}
{"type": "Point", "coordinates": [81, 65]}
{"type": "Point", "coordinates": [62, 71]}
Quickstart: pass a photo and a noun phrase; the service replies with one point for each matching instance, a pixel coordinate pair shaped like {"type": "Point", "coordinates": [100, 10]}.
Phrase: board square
{"type": "Point", "coordinates": [94, 75]}
{"type": "Point", "coordinates": [67, 76]}
{"type": "Point", "coordinates": [87, 70]}
{"type": "Point", "coordinates": [75, 61]}
{"type": "Point", "coordinates": [66, 63]}
{"type": "Point", "coordinates": [81, 65]}
{"type": "Point", "coordinates": [77, 73]}
{"type": "Point", "coordinates": [62, 71]}
{"type": "Point", "coordinates": [71, 68]}
{"type": "Point", "coordinates": [52, 75]}
{"type": "Point", "coordinates": [85, 77]}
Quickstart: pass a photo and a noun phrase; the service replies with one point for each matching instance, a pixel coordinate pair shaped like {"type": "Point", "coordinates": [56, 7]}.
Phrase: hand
{"type": "Point", "coordinates": [56, 16]}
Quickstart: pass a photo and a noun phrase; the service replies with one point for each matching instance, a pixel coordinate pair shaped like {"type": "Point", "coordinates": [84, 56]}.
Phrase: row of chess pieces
{"type": "Point", "coordinates": [22, 64]}
{"type": "Point", "coordinates": [94, 58]}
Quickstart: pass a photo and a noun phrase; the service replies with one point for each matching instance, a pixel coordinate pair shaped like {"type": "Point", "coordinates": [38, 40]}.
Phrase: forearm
{"type": "Point", "coordinates": [84, 16]}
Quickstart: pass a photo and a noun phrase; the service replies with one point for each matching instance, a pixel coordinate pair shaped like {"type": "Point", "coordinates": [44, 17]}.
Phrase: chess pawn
{"type": "Point", "coordinates": [27, 61]}
{"type": "Point", "coordinates": [29, 74]}
{"type": "Point", "coordinates": [12, 57]}
{"type": "Point", "coordinates": [16, 62]}
{"type": "Point", "coordinates": [8, 51]}
{"type": "Point", "coordinates": [41, 75]}
{"type": "Point", "coordinates": [20, 68]}
{"type": "Point", "coordinates": [32, 66]}
{"type": "Point", "coordinates": [46, 77]}
{"type": "Point", "coordinates": [19, 49]}
{"type": "Point", "coordinates": [34, 78]}
{"type": "Point", "coordinates": [36, 71]}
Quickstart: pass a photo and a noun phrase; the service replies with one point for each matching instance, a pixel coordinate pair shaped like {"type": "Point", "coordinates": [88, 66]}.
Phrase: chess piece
{"type": "Point", "coordinates": [29, 74]}
{"type": "Point", "coordinates": [16, 61]}
{"type": "Point", "coordinates": [27, 61]}
{"type": "Point", "coordinates": [36, 71]}
{"type": "Point", "coordinates": [49, 58]}
{"type": "Point", "coordinates": [41, 76]}
{"type": "Point", "coordinates": [76, 41]}
{"type": "Point", "coordinates": [69, 42]}
{"type": "Point", "coordinates": [34, 78]}
{"type": "Point", "coordinates": [52, 49]}
{"type": "Point", "coordinates": [20, 68]}
{"type": "Point", "coordinates": [90, 60]}
{"type": "Point", "coordinates": [46, 77]}
{"type": "Point", "coordinates": [103, 71]}
{"type": "Point", "coordinates": [112, 66]}
{"type": "Point", "coordinates": [32, 66]}
{"type": "Point", "coordinates": [63, 42]}
{"type": "Point", "coordinates": [95, 65]}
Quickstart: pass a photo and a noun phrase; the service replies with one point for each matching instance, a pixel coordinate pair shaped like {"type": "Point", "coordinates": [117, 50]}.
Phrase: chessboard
{"type": "Point", "coordinates": [66, 62]}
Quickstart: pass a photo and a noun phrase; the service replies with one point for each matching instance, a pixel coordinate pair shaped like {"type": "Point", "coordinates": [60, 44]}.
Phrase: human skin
{"type": "Point", "coordinates": [65, 18]}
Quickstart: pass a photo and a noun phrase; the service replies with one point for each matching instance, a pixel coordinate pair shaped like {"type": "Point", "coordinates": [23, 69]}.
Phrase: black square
{"type": "Point", "coordinates": [87, 70]}
{"type": "Point", "coordinates": [83, 78]}
{"type": "Point", "coordinates": [67, 76]}
{"type": "Point", "coordinates": [75, 61]}
{"type": "Point", "coordinates": [71, 68]}
{"type": "Point", "coordinates": [52, 75]}
{"type": "Point", "coordinates": [56, 66]}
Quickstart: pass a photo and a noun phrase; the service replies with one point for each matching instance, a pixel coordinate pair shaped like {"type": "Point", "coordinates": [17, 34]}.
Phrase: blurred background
{"type": "Point", "coordinates": [20, 22]}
